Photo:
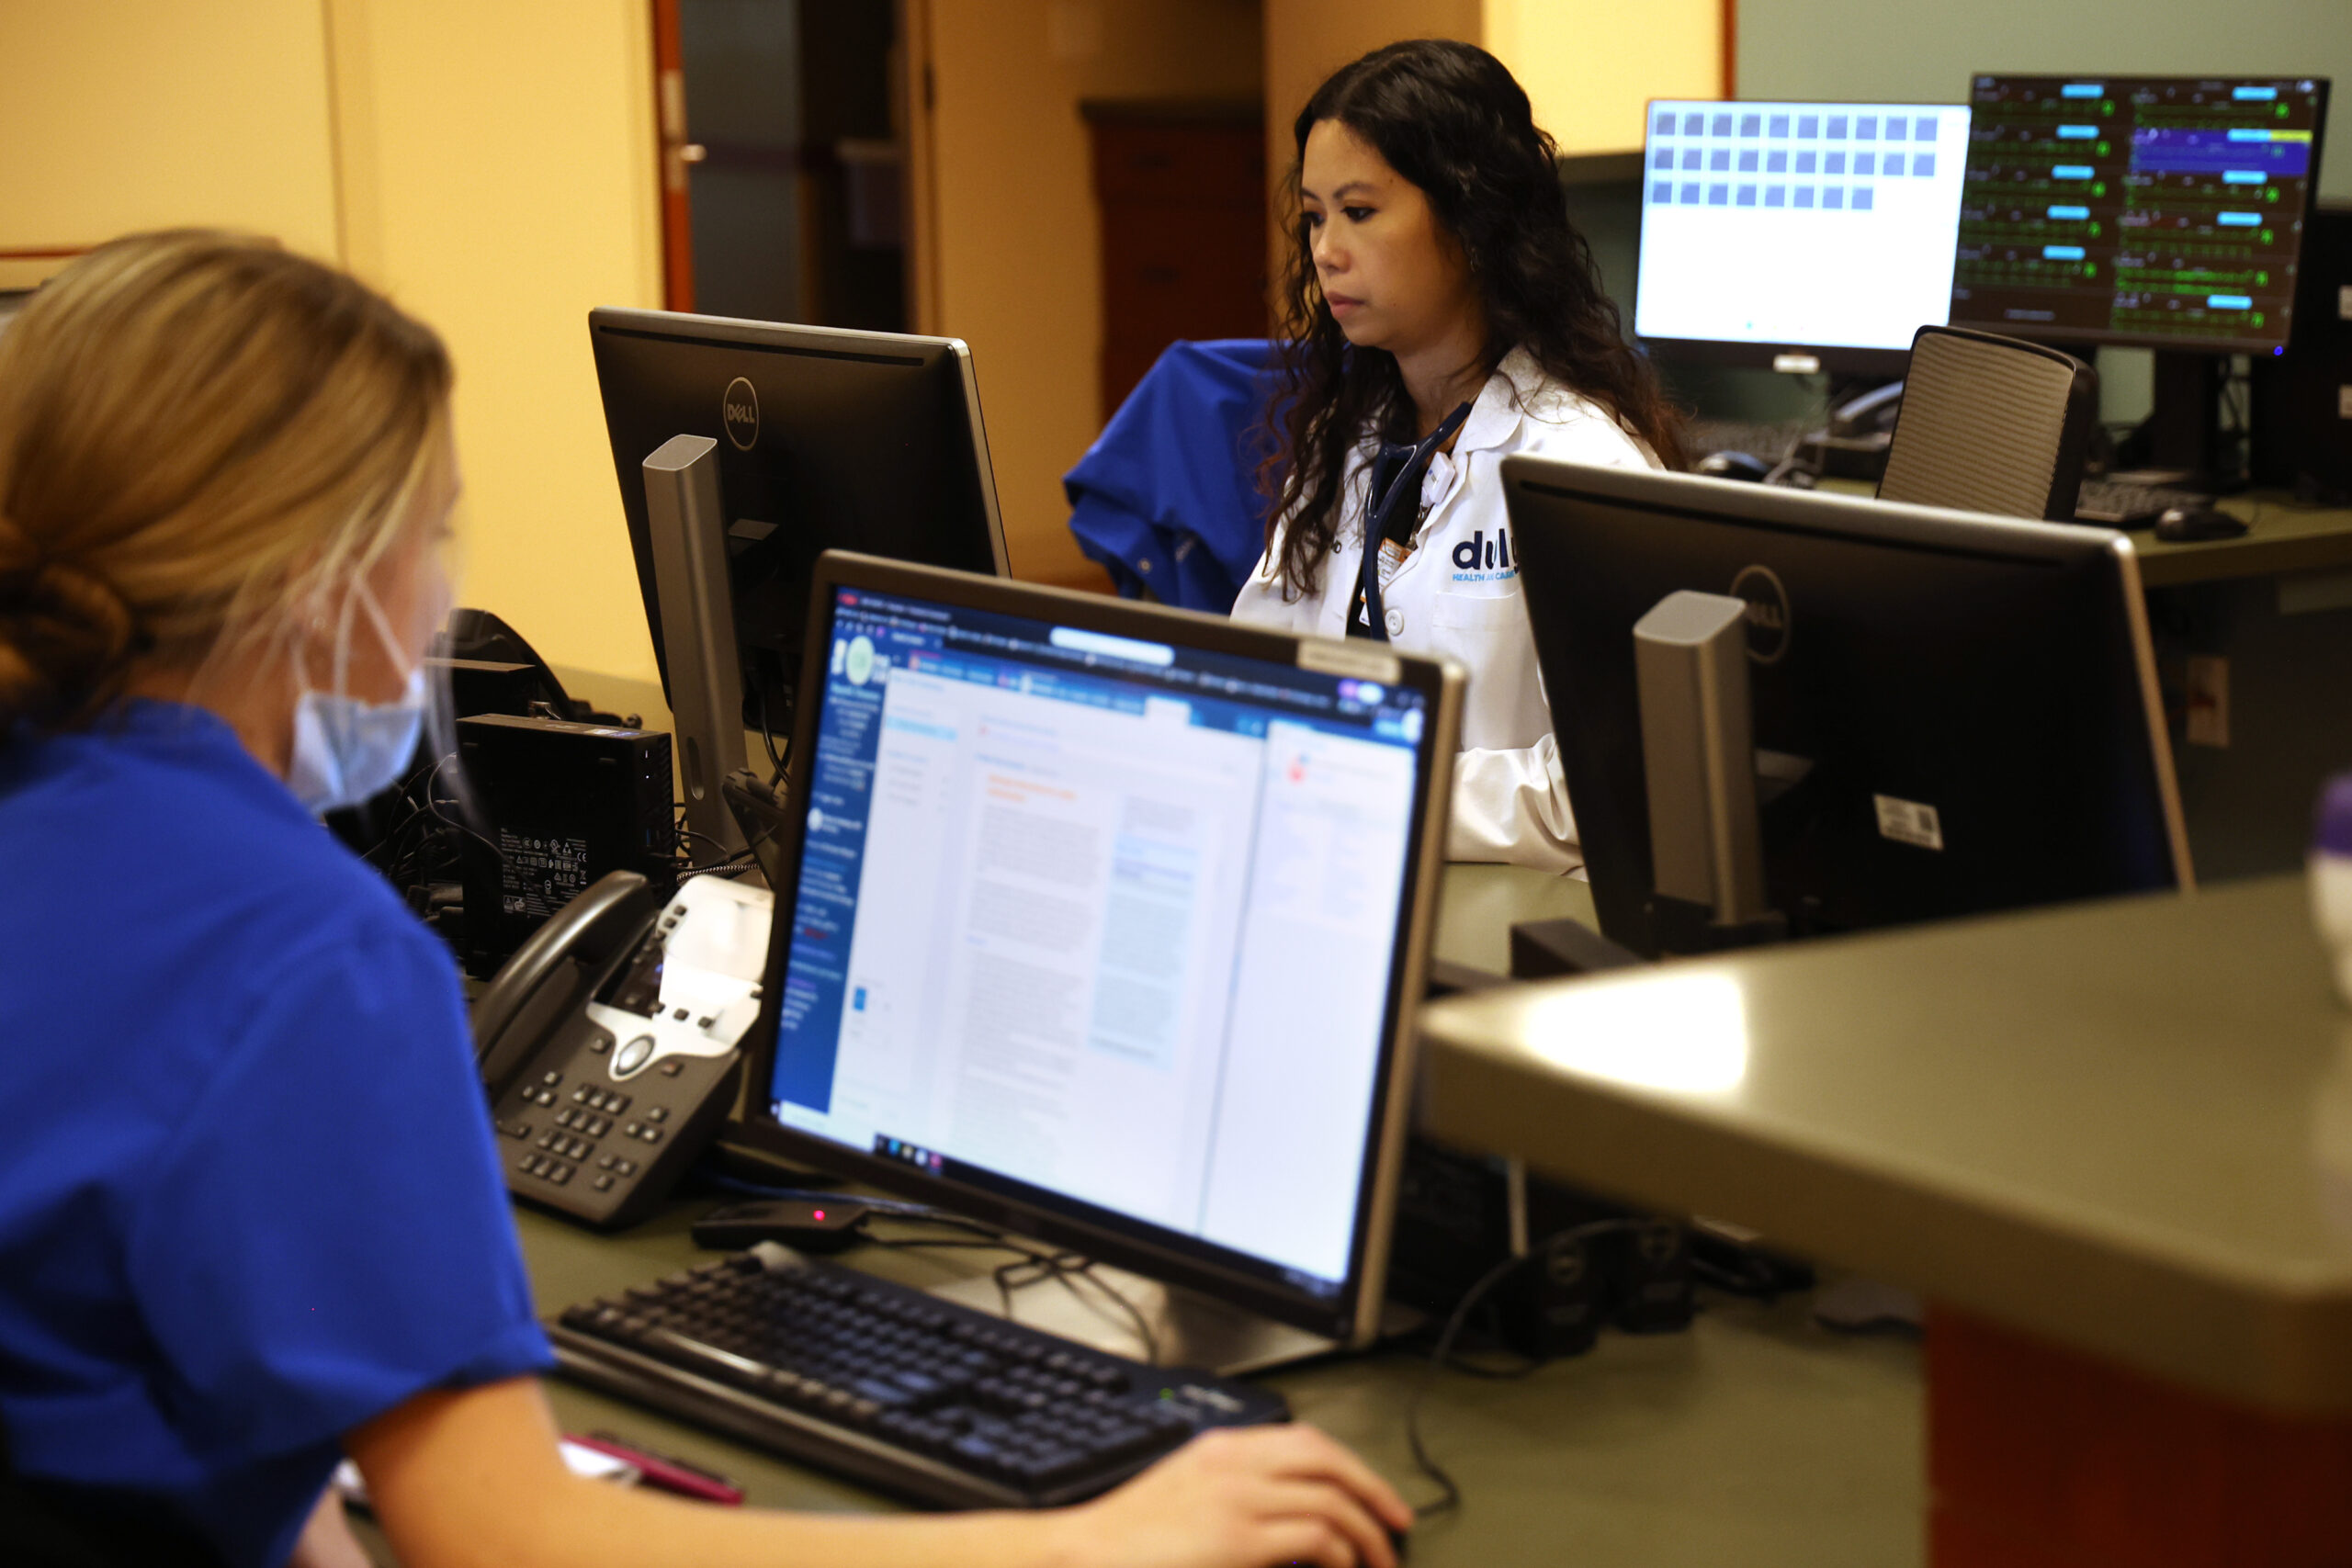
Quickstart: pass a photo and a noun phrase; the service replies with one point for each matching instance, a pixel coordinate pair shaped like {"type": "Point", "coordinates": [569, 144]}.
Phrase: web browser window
{"type": "Point", "coordinates": [1087, 919]}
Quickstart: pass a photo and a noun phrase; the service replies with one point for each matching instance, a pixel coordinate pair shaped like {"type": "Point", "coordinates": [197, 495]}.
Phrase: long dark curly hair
{"type": "Point", "coordinates": [1448, 118]}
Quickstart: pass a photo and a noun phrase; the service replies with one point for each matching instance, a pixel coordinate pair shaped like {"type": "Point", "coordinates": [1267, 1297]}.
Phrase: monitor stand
{"type": "Point", "coordinates": [2182, 442]}
{"type": "Point", "coordinates": [686, 527]}
{"type": "Point", "coordinates": [1192, 1329]}
{"type": "Point", "coordinates": [1698, 764]}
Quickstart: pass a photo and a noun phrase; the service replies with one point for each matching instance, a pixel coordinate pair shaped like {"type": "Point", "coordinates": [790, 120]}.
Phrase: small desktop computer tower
{"type": "Point", "coordinates": [558, 805]}
{"type": "Point", "coordinates": [2302, 399]}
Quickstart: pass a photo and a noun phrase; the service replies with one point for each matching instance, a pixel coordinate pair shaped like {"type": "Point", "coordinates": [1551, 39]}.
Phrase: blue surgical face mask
{"type": "Point", "coordinates": [346, 748]}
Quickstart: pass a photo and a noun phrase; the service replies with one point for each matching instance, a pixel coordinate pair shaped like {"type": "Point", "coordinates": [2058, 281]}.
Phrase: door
{"type": "Point", "coordinates": [783, 156]}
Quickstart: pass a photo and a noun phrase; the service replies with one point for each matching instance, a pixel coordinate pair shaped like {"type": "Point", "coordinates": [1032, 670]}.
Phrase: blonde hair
{"type": "Point", "coordinates": [200, 434]}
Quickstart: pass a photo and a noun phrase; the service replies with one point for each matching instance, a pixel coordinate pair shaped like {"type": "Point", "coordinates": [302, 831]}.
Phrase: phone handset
{"type": "Point", "coordinates": [1870, 413]}
{"type": "Point", "coordinates": [550, 976]}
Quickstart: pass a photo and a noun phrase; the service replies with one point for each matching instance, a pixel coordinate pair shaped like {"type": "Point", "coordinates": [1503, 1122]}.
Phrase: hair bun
{"type": "Point", "coordinates": [65, 634]}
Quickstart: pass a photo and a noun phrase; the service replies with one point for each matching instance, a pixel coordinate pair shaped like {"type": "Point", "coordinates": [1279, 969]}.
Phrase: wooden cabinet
{"type": "Point", "coordinates": [1182, 189]}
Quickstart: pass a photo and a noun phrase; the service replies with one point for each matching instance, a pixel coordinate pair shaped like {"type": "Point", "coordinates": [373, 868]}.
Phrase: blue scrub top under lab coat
{"type": "Point", "coordinates": [248, 1197]}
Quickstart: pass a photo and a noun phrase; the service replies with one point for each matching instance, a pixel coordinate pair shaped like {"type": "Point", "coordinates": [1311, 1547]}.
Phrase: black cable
{"type": "Point", "coordinates": [767, 738]}
{"type": "Point", "coordinates": [1450, 1495]}
{"type": "Point", "coordinates": [726, 857]}
{"type": "Point", "coordinates": [1068, 1277]}
{"type": "Point", "coordinates": [434, 807]}
{"type": "Point", "coordinates": [1062, 1266]}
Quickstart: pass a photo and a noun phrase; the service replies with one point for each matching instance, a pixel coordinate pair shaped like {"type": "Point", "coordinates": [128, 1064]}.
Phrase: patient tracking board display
{"type": "Point", "coordinates": [2166, 211]}
{"type": "Point", "coordinates": [1102, 924]}
{"type": "Point", "coordinates": [1820, 225]}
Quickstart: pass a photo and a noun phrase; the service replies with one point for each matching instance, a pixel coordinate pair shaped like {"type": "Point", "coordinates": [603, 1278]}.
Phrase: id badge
{"type": "Point", "coordinates": [1392, 556]}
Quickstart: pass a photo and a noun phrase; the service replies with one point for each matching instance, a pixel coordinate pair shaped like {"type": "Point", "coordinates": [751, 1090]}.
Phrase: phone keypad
{"type": "Point", "coordinates": [569, 1124]}
{"type": "Point", "coordinates": [569, 1146]}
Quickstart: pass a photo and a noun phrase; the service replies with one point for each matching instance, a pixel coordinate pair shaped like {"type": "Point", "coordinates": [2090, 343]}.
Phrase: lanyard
{"type": "Point", "coordinates": [1397, 472]}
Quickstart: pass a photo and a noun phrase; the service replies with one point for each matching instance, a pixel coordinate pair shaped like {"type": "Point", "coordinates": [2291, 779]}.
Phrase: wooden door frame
{"type": "Point", "coordinates": [670, 138]}
{"type": "Point", "coordinates": [918, 98]}
{"type": "Point", "coordinates": [915, 88]}
{"type": "Point", "coordinates": [1730, 48]}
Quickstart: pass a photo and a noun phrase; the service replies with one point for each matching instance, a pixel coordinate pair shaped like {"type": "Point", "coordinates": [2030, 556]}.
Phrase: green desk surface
{"type": "Point", "coordinates": [1755, 1438]}
{"type": "Point", "coordinates": [2126, 1126]}
{"type": "Point", "coordinates": [1478, 906]}
{"type": "Point", "coordinates": [2282, 538]}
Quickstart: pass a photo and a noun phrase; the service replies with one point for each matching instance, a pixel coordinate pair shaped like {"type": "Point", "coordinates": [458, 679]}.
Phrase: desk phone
{"type": "Point", "coordinates": [609, 1042]}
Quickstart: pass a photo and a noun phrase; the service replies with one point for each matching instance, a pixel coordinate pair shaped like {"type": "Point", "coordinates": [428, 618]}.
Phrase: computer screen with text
{"type": "Point", "coordinates": [1084, 920]}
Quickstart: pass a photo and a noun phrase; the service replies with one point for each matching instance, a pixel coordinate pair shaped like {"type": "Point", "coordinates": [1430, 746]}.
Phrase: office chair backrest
{"type": "Point", "coordinates": [1990, 425]}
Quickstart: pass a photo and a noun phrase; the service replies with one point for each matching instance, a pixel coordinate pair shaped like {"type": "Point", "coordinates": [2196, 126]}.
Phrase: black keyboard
{"type": "Point", "coordinates": [2115, 505]}
{"type": "Point", "coordinates": [1769, 442]}
{"type": "Point", "coordinates": [891, 1386]}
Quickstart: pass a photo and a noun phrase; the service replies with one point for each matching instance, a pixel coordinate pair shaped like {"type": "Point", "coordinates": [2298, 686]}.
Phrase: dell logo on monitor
{"type": "Point", "coordinates": [738, 410]}
{"type": "Point", "coordinates": [1768, 613]}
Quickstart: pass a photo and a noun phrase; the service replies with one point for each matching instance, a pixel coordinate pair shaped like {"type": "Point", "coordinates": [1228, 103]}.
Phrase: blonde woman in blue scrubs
{"type": "Point", "coordinates": [250, 1220]}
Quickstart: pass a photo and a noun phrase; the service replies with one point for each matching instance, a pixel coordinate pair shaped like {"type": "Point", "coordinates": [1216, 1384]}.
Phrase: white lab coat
{"type": "Point", "coordinates": [1458, 593]}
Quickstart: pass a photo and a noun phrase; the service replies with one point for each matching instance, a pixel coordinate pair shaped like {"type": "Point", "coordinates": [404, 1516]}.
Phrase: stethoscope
{"type": "Point", "coordinates": [1396, 471]}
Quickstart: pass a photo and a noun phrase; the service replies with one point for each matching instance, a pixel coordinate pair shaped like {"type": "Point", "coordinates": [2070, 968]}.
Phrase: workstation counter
{"type": "Point", "coordinates": [1758, 1437]}
{"type": "Point", "coordinates": [2111, 1142]}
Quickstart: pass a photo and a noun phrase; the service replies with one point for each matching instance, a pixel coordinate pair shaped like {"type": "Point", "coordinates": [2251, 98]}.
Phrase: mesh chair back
{"type": "Point", "coordinates": [1990, 425]}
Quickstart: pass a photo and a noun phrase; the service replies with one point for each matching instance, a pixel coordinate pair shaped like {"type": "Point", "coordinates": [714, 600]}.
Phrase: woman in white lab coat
{"type": "Point", "coordinates": [1442, 314]}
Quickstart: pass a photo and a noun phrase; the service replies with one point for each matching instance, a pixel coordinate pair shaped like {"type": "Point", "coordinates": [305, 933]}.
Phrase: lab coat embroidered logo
{"type": "Point", "coordinates": [739, 412]}
{"type": "Point", "coordinates": [1480, 560]}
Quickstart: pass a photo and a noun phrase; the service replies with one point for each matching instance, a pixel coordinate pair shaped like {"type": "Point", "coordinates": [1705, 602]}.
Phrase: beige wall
{"type": "Point", "coordinates": [117, 115]}
{"type": "Point", "coordinates": [1308, 39]}
{"type": "Point", "coordinates": [489, 164]}
{"type": "Point", "coordinates": [1014, 242]}
{"type": "Point", "coordinates": [1589, 66]}
{"type": "Point", "coordinates": [499, 183]}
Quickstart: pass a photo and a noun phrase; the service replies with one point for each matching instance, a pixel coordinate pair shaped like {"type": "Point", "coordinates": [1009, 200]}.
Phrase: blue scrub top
{"type": "Point", "coordinates": [248, 1197]}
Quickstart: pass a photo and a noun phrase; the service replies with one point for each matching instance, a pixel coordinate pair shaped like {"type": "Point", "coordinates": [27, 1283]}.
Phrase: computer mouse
{"type": "Point", "coordinates": [2186, 523]}
{"type": "Point", "coordinates": [1733, 466]}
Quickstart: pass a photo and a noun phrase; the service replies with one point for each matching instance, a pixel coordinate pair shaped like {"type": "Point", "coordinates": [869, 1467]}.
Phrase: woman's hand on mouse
{"type": "Point", "coordinates": [1244, 1498]}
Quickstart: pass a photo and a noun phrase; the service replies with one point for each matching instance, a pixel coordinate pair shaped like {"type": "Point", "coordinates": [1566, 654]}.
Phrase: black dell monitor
{"type": "Point", "coordinates": [1952, 714]}
{"type": "Point", "coordinates": [2163, 212]}
{"type": "Point", "coordinates": [821, 439]}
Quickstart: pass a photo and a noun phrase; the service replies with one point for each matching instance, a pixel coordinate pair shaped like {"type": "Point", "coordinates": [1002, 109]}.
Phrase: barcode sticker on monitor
{"type": "Point", "coordinates": [1909, 822]}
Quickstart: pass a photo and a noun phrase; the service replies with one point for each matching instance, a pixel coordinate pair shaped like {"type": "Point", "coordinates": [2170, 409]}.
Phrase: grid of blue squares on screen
{"type": "Point", "coordinates": [1825, 162]}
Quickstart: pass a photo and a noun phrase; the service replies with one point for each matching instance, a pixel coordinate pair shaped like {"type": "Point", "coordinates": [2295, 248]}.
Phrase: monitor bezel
{"type": "Point", "coordinates": [788, 339]}
{"type": "Point", "coordinates": [1352, 1317]}
{"type": "Point", "coordinates": [2086, 344]}
{"type": "Point", "coordinates": [1828, 359]}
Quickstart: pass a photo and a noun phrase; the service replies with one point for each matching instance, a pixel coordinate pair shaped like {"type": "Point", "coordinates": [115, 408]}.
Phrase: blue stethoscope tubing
{"type": "Point", "coordinates": [1406, 485]}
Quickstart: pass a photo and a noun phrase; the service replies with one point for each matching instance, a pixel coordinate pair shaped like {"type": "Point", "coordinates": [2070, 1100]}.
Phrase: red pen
{"type": "Point", "coordinates": [666, 1472]}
